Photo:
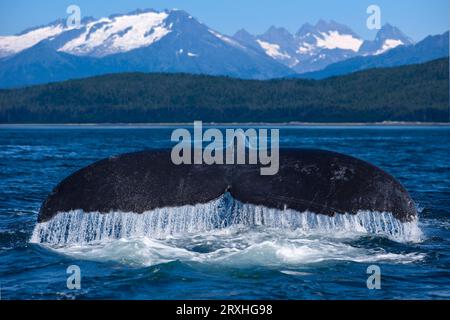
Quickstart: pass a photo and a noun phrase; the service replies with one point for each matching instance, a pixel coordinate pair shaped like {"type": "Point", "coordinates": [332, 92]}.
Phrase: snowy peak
{"type": "Point", "coordinates": [328, 35]}
{"type": "Point", "coordinates": [278, 43]}
{"type": "Point", "coordinates": [326, 26]}
{"type": "Point", "coordinates": [333, 39]}
{"type": "Point", "coordinates": [101, 37]}
{"type": "Point", "coordinates": [120, 33]}
{"type": "Point", "coordinates": [311, 48]}
{"type": "Point", "coordinates": [139, 29]}
{"type": "Point", "coordinates": [388, 32]}
{"type": "Point", "coordinates": [387, 38]}
{"type": "Point", "coordinates": [314, 47]}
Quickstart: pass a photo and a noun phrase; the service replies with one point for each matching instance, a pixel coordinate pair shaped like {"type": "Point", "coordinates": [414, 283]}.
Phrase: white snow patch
{"type": "Point", "coordinates": [226, 39]}
{"type": "Point", "coordinates": [388, 45]}
{"type": "Point", "coordinates": [14, 44]}
{"type": "Point", "coordinates": [273, 50]}
{"type": "Point", "coordinates": [335, 40]}
{"type": "Point", "coordinates": [305, 48]}
{"type": "Point", "coordinates": [119, 34]}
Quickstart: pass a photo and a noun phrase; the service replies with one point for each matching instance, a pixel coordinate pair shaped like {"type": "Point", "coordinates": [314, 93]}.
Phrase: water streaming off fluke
{"type": "Point", "coordinates": [78, 227]}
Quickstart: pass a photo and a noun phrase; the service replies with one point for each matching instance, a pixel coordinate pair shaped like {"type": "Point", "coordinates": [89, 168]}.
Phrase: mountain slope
{"type": "Point", "coordinates": [387, 38]}
{"type": "Point", "coordinates": [409, 93]}
{"type": "Point", "coordinates": [10, 45]}
{"type": "Point", "coordinates": [42, 64]}
{"type": "Point", "coordinates": [432, 47]}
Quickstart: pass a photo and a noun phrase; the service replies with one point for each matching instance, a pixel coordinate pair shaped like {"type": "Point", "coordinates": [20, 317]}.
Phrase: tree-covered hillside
{"type": "Point", "coordinates": [409, 93]}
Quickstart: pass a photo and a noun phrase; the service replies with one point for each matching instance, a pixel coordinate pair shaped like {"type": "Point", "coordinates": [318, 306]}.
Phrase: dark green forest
{"type": "Point", "coordinates": [408, 93]}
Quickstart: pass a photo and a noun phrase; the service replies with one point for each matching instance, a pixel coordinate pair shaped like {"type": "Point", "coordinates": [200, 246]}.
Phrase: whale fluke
{"type": "Point", "coordinates": [317, 181]}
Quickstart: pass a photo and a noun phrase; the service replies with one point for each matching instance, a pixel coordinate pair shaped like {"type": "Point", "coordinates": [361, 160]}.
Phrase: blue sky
{"type": "Point", "coordinates": [417, 18]}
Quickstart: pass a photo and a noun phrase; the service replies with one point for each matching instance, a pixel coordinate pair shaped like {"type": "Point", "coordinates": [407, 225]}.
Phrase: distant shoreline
{"type": "Point", "coordinates": [226, 124]}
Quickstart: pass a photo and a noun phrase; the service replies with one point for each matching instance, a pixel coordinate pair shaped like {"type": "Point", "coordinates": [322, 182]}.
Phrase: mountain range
{"type": "Point", "coordinates": [173, 41]}
{"type": "Point", "coordinates": [314, 47]}
{"type": "Point", "coordinates": [432, 47]}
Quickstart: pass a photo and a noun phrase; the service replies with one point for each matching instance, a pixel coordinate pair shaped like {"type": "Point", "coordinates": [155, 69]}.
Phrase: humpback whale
{"type": "Point", "coordinates": [318, 181]}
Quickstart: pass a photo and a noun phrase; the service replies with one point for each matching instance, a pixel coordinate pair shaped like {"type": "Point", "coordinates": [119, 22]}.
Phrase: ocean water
{"type": "Point", "coordinates": [223, 249]}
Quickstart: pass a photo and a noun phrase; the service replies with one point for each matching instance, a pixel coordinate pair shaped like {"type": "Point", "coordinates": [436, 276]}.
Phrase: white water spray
{"type": "Point", "coordinates": [78, 227]}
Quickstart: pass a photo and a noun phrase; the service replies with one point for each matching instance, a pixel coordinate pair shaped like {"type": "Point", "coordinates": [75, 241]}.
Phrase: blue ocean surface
{"type": "Point", "coordinates": [320, 259]}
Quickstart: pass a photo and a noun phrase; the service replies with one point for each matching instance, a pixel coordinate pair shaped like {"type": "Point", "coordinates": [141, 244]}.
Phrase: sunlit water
{"type": "Point", "coordinates": [224, 248]}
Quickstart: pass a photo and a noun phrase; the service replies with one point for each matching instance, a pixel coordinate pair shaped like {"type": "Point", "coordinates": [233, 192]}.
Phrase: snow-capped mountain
{"type": "Point", "coordinates": [105, 36]}
{"type": "Point", "coordinates": [279, 44]}
{"type": "Point", "coordinates": [323, 44]}
{"type": "Point", "coordinates": [118, 34]}
{"type": "Point", "coordinates": [327, 35]}
{"type": "Point", "coordinates": [430, 48]}
{"type": "Point", "coordinates": [387, 38]}
{"type": "Point", "coordinates": [314, 47]}
{"type": "Point", "coordinates": [143, 41]}
{"type": "Point", "coordinates": [311, 48]}
{"type": "Point", "coordinates": [109, 35]}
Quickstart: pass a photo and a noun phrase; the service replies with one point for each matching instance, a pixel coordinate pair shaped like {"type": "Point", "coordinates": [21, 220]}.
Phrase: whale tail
{"type": "Point", "coordinates": [323, 182]}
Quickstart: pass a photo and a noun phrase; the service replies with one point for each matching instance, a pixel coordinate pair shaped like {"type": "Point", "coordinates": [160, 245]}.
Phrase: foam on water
{"type": "Point", "coordinates": [223, 231]}
{"type": "Point", "coordinates": [239, 249]}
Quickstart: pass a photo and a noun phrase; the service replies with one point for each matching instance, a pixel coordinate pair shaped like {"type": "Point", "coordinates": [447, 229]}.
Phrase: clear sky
{"type": "Point", "coordinates": [417, 18]}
